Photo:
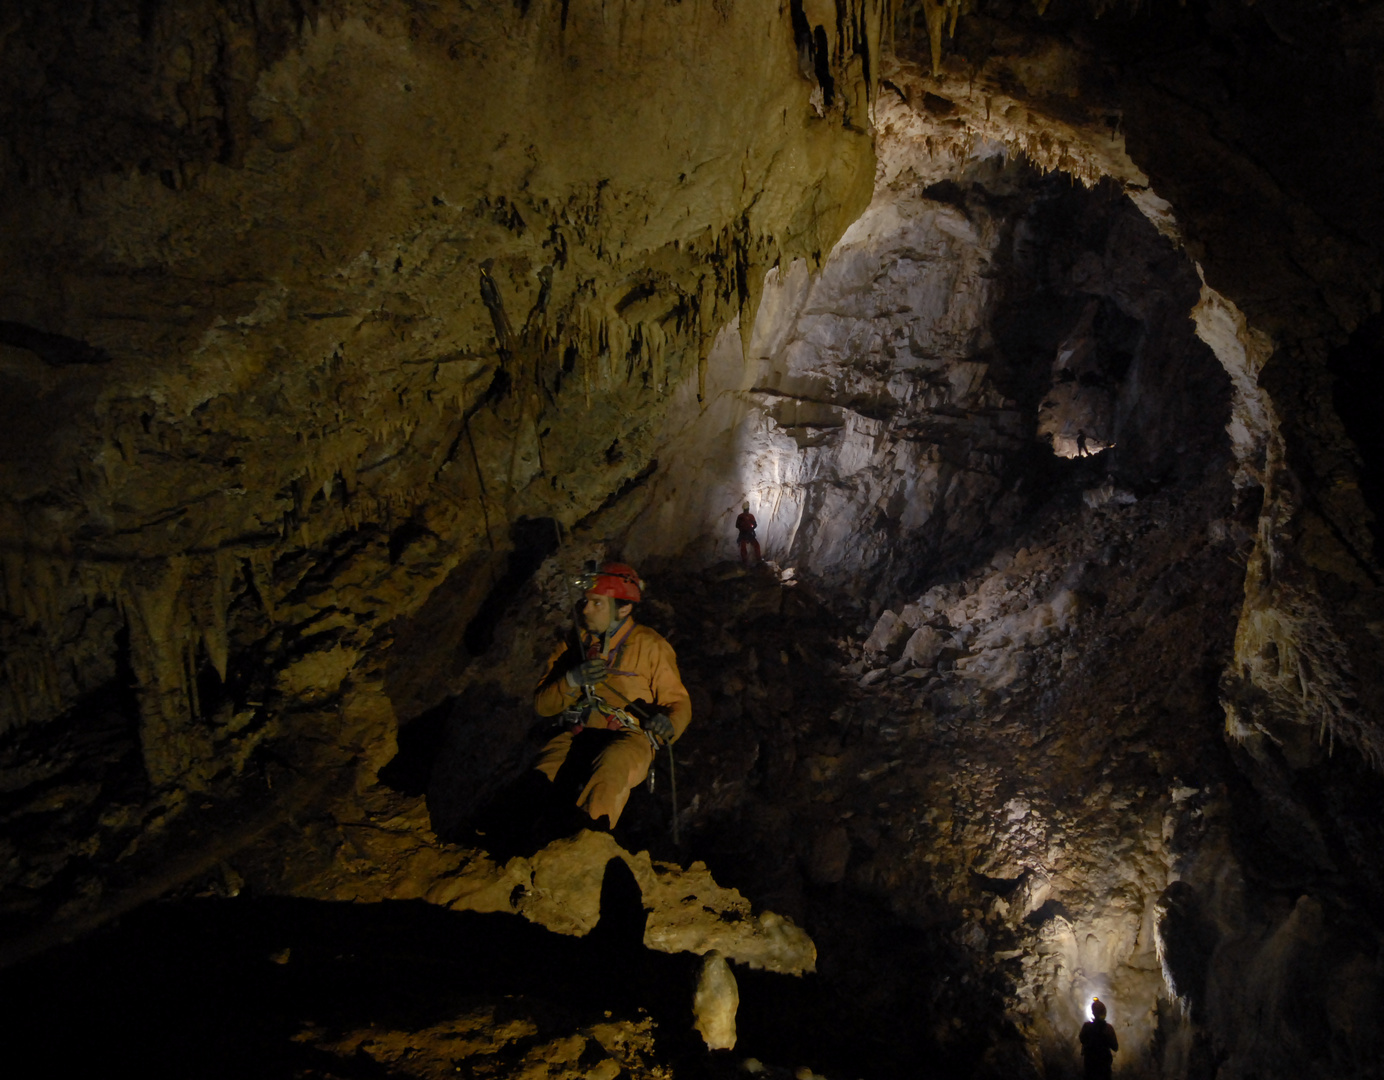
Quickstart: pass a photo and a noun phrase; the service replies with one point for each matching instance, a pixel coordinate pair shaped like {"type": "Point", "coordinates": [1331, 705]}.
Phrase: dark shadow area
{"type": "Point", "coordinates": [534, 539]}
{"type": "Point", "coordinates": [409, 772]}
{"type": "Point", "coordinates": [864, 1015]}
{"type": "Point", "coordinates": [56, 350]}
{"type": "Point", "coordinates": [434, 646]}
{"type": "Point", "coordinates": [461, 779]}
{"type": "Point", "coordinates": [529, 810]}
{"type": "Point", "coordinates": [220, 988]}
{"type": "Point", "coordinates": [61, 778]}
{"type": "Point", "coordinates": [1358, 368]}
{"type": "Point", "coordinates": [429, 650]}
{"type": "Point", "coordinates": [1070, 248]}
{"type": "Point", "coordinates": [1315, 829]}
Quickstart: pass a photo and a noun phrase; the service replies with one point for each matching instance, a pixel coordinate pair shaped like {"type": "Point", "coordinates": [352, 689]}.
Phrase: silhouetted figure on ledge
{"type": "Point", "coordinates": [746, 526]}
{"type": "Point", "coordinates": [1081, 450]}
{"type": "Point", "coordinates": [1098, 1043]}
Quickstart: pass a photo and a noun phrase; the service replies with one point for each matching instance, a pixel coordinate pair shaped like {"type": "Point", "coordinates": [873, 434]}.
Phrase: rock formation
{"type": "Point", "coordinates": [1043, 340]}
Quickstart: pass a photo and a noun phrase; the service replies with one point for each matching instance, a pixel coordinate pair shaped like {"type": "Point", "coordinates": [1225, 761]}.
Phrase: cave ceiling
{"type": "Point", "coordinates": [335, 335]}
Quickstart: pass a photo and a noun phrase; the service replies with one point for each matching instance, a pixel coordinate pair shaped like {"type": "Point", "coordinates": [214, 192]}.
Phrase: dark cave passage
{"type": "Point", "coordinates": [1358, 387]}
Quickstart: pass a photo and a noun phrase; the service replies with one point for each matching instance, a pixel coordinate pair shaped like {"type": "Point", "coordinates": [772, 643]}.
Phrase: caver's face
{"type": "Point", "coordinates": [599, 612]}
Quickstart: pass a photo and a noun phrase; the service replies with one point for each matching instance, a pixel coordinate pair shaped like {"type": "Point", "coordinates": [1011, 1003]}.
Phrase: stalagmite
{"type": "Point", "coordinates": [716, 1002]}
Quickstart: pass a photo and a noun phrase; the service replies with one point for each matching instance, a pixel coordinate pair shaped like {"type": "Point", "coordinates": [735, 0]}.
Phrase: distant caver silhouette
{"type": "Point", "coordinates": [1098, 1043]}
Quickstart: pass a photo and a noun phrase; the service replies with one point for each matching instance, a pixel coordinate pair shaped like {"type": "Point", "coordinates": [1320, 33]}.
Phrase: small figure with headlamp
{"type": "Point", "coordinates": [745, 526]}
{"type": "Point", "coordinates": [617, 687]}
{"type": "Point", "coordinates": [1098, 1043]}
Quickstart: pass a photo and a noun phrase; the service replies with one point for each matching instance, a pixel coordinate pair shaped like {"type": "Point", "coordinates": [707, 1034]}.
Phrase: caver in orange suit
{"type": "Point", "coordinates": [643, 669]}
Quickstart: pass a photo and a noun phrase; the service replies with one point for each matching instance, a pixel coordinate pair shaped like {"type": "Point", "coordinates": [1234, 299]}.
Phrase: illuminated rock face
{"type": "Point", "coordinates": [896, 410]}
{"type": "Point", "coordinates": [841, 413]}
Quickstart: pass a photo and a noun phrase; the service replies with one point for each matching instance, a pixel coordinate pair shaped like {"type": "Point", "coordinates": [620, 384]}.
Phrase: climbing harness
{"type": "Point", "coordinates": [632, 722]}
{"type": "Point", "coordinates": [578, 719]}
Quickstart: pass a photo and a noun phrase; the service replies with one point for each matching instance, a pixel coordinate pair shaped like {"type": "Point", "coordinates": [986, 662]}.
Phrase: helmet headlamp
{"type": "Point", "coordinates": [617, 580]}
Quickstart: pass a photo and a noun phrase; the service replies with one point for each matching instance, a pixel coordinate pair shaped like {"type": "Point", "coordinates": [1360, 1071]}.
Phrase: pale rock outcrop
{"type": "Point", "coordinates": [861, 408]}
{"type": "Point", "coordinates": [715, 1003]}
{"type": "Point", "coordinates": [559, 887]}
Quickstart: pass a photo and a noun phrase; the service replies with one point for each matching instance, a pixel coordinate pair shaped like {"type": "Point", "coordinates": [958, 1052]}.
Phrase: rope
{"type": "Point", "coordinates": [673, 778]}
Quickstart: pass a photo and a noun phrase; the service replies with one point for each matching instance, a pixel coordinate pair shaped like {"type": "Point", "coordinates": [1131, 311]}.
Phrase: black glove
{"type": "Point", "coordinates": [587, 673]}
{"type": "Point", "coordinates": [659, 726]}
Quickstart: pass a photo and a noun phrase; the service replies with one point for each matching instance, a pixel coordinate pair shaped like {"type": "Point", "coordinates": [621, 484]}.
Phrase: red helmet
{"type": "Point", "coordinates": [618, 580]}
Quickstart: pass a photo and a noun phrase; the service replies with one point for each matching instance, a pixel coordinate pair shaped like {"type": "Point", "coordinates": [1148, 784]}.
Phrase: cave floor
{"type": "Point", "coordinates": [938, 829]}
{"type": "Point", "coordinates": [931, 827]}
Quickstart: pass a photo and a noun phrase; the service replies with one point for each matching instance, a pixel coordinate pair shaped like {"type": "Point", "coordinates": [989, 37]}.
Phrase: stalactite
{"type": "Point", "coordinates": [160, 634]}
{"type": "Point", "coordinates": [616, 337]}
{"type": "Point", "coordinates": [656, 342]}
{"type": "Point", "coordinates": [261, 567]}
{"type": "Point", "coordinates": [215, 576]}
{"type": "Point", "coordinates": [935, 13]}
{"type": "Point", "coordinates": [325, 443]}
{"type": "Point", "coordinates": [942, 16]}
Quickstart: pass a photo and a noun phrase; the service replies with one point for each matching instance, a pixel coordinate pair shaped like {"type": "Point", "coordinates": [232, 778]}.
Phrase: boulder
{"type": "Point", "coordinates": [888, 636]}
{"type": "Point", "coordinates": [924, 646]}
{"type": "Point", "coordinates": [873, 676]}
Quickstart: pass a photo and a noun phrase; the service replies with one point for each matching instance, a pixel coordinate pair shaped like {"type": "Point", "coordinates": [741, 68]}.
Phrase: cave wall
{"type": "Point", "coordinates": [247, 341]}
{"type": "Point", "coordinates": [1265, 872]}
{"type": "Point", "coordinates": [311, 313]}
{"type": "Point", "coordinates": [1264, 916]}
{"type": "Point", "coordinates": [260, 423]}
{"type": "Point", "coordinates": [898, 407]}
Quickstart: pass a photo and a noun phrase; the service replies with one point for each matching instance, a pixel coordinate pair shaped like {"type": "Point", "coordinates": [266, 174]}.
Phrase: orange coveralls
{"type": "Point", "coordinates": [643, 669]}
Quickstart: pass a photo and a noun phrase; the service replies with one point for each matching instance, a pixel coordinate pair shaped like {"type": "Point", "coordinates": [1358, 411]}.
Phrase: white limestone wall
{"type": "Point", "coordinates": [861, 415]}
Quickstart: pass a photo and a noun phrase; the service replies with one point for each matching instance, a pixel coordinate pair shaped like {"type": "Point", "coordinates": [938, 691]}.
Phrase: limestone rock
{"type": "Point", "coordinates": [715, 1004]}
{"type": "Point", "coordinates": [924, 646]}
{"type": "Point", "coordinates": [888, 635]}
{"type": "Point", "coordinates": [257, 429]}
{"type": "Point", "coordinates": [1097, 497]}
